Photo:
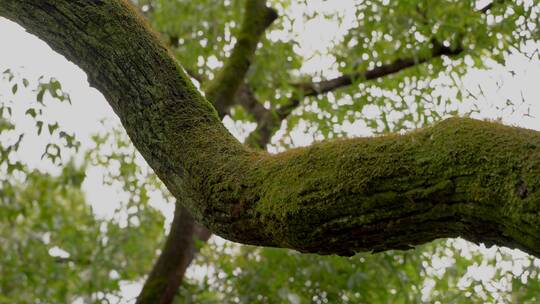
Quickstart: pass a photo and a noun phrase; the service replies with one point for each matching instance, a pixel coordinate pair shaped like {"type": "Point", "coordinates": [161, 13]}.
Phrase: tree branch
{"type": "Point", "coordinates": [179, 250]}
{"type": "Point", "coordinates": [268, 123]}
{"type": "Point", "coordinates": [316, 88]}
{"type": "Point", "coordinates": [221, 90]}
{"type": "Point", "coordinates": [162, 284]}
{"type": "Point", "coordinates": [266, 126]}
{"type": "Point", "coordinates": [461, 177]}
{"type": "Point", "coordinates": [490, 5]}
{"type": "Point", "coordinates": [325, 86]}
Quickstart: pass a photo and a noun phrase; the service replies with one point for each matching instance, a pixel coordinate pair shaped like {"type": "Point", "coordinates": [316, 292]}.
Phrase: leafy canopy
{"type": "Point", "coordinates": [55, 249]}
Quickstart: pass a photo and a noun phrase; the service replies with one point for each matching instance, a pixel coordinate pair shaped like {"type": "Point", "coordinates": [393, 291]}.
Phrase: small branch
{"type": "Point", "coordinates": [267, 125]}
{"type": "Point", "coordinates": [325, 86]}
{"type": "Point", "coordinates": [489, 6]}
{"type": "Point", "coordinates": [62, 260]}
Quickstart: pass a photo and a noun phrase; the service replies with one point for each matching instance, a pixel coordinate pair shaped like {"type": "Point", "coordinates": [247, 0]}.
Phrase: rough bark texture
{"type": "Point", "coordinates": [163, 283]}
{"type": "Point", "coordinates": [461, 177]}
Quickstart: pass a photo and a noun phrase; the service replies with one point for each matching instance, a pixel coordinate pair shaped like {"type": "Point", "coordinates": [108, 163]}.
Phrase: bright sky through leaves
{"type": "Point", "coordinates": [511, 93]}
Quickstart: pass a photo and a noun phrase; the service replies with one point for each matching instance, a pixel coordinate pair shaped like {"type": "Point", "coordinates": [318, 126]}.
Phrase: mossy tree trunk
{"type": "Point", "coordinates": [461, 177]}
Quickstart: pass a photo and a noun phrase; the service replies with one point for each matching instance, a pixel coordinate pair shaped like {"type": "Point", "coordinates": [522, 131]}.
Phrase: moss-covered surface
{"type": "Point", "coordinates": [166, 276]}
{"type": "Point", "coordinates": [462, 177]}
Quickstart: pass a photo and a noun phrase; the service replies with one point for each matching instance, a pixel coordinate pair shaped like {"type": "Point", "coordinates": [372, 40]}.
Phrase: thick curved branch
{"type": "Point", "coordinates": [179, 250]}
{"type": "Point", "coordinates": [462, 177]}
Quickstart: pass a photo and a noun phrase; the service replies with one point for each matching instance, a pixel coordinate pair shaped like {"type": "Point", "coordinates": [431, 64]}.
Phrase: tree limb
{"type": "Point", "coordinates": [179, 250]}
{"type": "Point", "coordinates": [265, 128]}
{"type": "Point", "coordinates": [269, 123]}
{"type": "Point", "coordinates": [325, 86]}
{"type": "Point", "coordinates": [257, 18]}
{"type": "Point", "coordinates": [490, 5]}
{"type": "Point", "coordinates": [162, 284]}
{"type": "Point", "coordinates": [461, 177]}
{"type": "Point", "coordinates": [316, 88]}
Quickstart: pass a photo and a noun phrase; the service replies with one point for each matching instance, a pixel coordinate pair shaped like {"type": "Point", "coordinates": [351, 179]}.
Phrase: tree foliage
{"type": "Point", "coordinates": [50, 235]}
{"type": "Point", "coordinates": [54, 248]}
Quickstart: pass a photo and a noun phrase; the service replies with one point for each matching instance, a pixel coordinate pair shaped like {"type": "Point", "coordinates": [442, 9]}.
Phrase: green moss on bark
{"type": "Point", "coordinates": [461, 177]}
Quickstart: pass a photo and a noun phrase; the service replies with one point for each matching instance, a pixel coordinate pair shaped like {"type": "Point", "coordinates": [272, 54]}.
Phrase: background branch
{"type": "Point", "coordinates": [162, 284]}
{"type": "Point", "coordinates": [221, 90]}
{"type": "Point", "coordinates": [269, 123]}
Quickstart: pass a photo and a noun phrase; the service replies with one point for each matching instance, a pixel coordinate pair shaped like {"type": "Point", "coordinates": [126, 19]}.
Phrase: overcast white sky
{"type": "Point", "coordinates": [32, 58]}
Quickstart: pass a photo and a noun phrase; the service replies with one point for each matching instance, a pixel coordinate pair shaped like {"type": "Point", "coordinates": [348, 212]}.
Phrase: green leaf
{"type": "Point", "coordinates": [40, 94]}
{"type": "Point", "coordinates": [31, 112]}
{"type": "Point", "coordinates": [52, 127]}
{"type": "Point", "coordinates": [39, 125]}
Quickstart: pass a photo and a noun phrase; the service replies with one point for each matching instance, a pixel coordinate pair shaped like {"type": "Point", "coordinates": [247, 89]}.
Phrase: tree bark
{"type": "Point", "coordinates": [461, 177]}
{"type": "Point", "coordinates": [166, 276]}
{"type": "Point", "coordinates": [257, 18]}
{"type": "Point", "coordinates": [162, 284]}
